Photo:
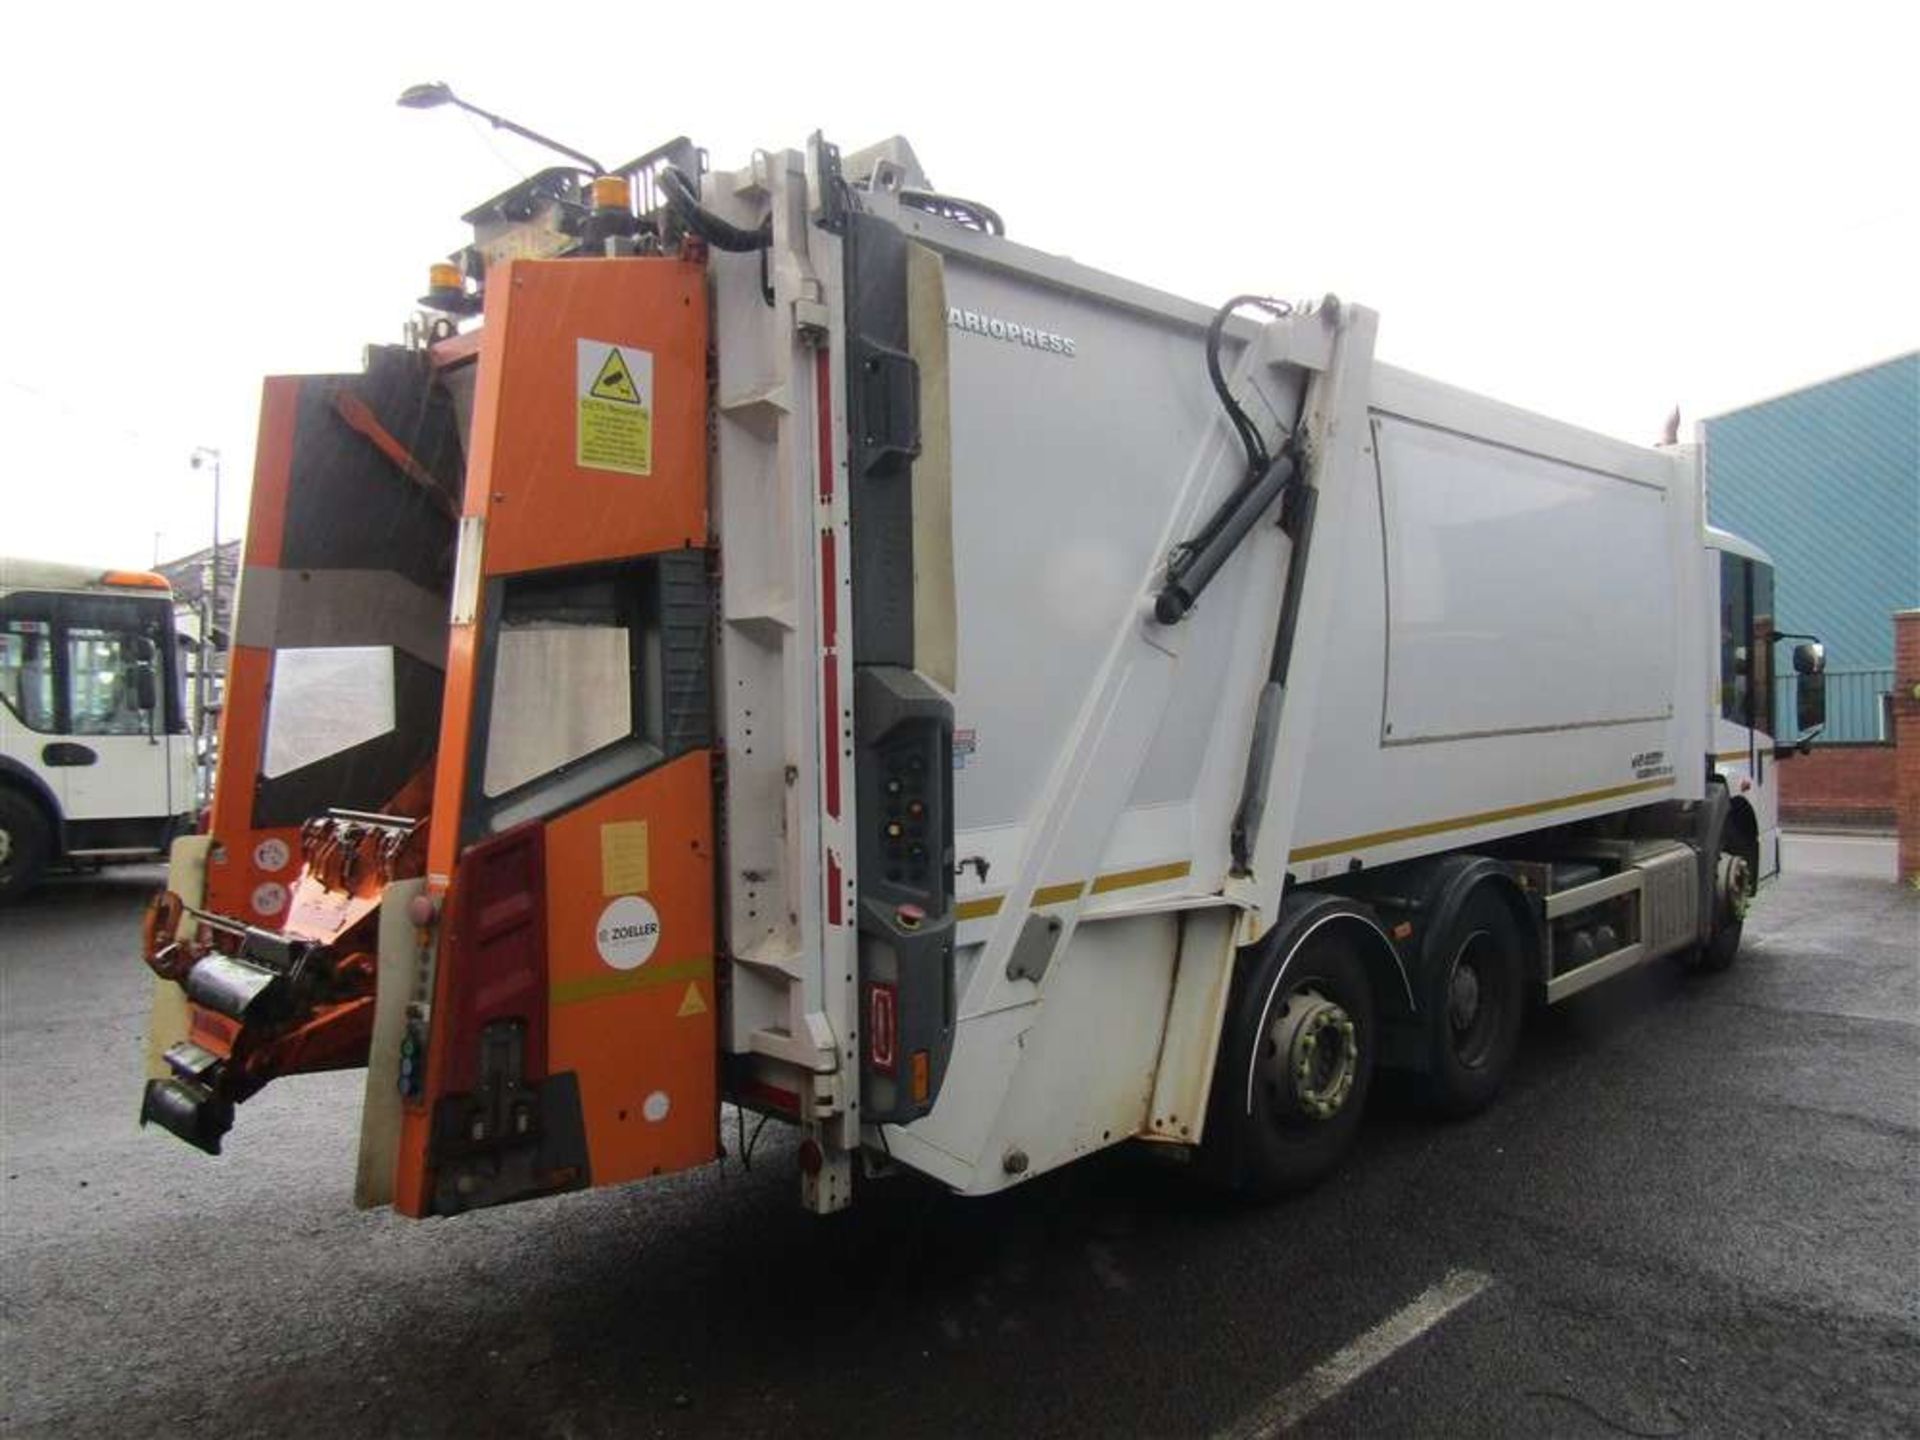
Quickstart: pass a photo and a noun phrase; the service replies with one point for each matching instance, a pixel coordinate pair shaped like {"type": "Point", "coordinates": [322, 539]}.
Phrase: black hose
{"type": "Point", "coordinates": [1257, 457]}
{"type": "Point", "coordinates": [1259, 460]}
{"type": "Point", "coordinates": [720, 234]}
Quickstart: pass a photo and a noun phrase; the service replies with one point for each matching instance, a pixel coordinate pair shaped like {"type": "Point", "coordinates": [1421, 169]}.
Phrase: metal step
{"type": "Point", "coordinates": [189, 1061]}
{"type": "Point", "coordinates": [189, 1110]}
{"type": "Point", "coordinates": [234, 988]}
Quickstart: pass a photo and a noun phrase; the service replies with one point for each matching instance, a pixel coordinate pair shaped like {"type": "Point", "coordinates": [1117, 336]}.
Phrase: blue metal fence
{"type": "Point", "coordinates": [1858, 706]}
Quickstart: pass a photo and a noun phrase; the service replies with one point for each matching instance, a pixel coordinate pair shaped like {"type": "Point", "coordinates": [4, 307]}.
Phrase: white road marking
{"type": "Point", "coordinates": [1290, 1406]}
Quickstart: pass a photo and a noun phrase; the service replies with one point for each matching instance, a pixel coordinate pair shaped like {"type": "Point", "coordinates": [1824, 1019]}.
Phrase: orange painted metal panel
{"type": "Point", "coordinates": [272, 469]}
{"type": "Point", "coordinates": [543, 507]}
{"type": "Point", "coordinates": [642, 1039]}
{"type": "Point", "coordinates": [235, 878]}
{"type": "Point", "coordinates": [450, 763]}
{"type": "Point", "coordinates": [641, 1035]}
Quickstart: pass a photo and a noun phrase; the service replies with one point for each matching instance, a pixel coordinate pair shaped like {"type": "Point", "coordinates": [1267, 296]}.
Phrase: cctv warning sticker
{"type": "Point", "coordinates": [614, 430]}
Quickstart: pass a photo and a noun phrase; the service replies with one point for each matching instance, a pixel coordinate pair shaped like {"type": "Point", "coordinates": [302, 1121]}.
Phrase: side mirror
{"type": "Point", "coordinates": [1810, 658]}
{"type": "Point", "coordinates": [146, 695]}
{"type": "Point", "coordinates": [1810, 702]}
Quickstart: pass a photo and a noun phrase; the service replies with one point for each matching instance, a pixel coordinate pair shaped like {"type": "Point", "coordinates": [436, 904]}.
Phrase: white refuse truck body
{"type": "Point", "coordinates": [1507, 626]}
{"type": "Point", "coordinates": [1130, 719]}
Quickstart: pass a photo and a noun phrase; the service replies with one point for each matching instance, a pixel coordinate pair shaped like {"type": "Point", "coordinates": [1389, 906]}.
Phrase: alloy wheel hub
{"type": "Point", "coordinates": [1316, 1055]}
{"type": "Point", "coordinates": [1735, 883]}
{"type": "Point", "coordinates": [1463, 997]}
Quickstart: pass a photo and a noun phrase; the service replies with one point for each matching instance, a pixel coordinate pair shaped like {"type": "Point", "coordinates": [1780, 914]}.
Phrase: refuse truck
{"type": "Point", "coordinates": [768, 638]}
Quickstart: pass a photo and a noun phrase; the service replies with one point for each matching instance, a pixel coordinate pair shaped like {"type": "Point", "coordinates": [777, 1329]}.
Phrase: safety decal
{"type": "Point", "coordinates": [690, 1003]}
{"type": "Point", "coordinates": [623, 857]}
{"type": "Point", "coordinates": [271, 854]}
{"type": "Point", "coordinates": [268, 899]}
{"type": "Point", "coordinates": [628, 931]}
{"type": "Point", "coordinates": [615, 427]}
{"type": "Point", "coordinates": [964, 743]}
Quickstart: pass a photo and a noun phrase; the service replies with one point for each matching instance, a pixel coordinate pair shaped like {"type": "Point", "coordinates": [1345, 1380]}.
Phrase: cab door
{"type": "Point", "coordinates": [112, 661]}
{"type": "Point", "coordinates": [29, 708]}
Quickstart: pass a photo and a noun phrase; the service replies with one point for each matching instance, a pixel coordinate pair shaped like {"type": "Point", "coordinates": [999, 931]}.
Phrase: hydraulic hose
{"type": "Point", "coordinates": [1197, 564]}
{"type": "Point", "coordinates": [720, 234]}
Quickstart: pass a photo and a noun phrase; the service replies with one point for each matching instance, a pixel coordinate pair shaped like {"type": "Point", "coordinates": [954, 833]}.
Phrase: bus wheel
{"type": "Point", "coordinates": [24, 843]}
{"type": "Point", "coordinates": [1299, 1060]}
{"type": "Point", "coordinates": [1475, 1000]}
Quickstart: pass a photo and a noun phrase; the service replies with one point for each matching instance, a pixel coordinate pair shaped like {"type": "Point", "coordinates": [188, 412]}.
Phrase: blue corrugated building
{"type": "Point", "coordinates": [1827, 481]}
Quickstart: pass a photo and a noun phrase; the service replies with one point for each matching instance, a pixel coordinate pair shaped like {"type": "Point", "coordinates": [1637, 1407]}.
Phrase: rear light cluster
{"type": "Point", "coordinates": [883, 1028]}
{"type": "Point", "coordinates": [883, 1041]}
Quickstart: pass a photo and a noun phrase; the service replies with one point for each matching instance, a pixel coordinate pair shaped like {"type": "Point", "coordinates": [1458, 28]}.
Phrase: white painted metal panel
{"type": "Point", "coordinates": [1523, 592]}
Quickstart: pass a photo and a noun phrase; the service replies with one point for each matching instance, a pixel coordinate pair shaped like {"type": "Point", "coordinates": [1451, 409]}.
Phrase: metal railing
{"type": "Point", "coordinates": [1859, 706]}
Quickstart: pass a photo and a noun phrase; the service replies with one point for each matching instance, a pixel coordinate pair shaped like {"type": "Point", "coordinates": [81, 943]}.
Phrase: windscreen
{"type": "Point", "coordinates": [81, 664]}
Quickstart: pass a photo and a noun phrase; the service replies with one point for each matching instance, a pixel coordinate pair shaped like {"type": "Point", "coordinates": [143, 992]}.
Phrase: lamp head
{"type": "Point", "coordinates": [426, 97]}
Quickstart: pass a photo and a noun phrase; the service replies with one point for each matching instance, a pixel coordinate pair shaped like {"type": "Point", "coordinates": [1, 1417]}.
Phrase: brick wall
{"type": "Point", "coordinates": [1838, 785]}
{"type": "Point", "coordinates": [1906, 735]}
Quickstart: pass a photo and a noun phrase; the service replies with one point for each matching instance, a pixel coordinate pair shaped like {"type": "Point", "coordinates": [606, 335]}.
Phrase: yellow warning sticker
{"type": "Point", "coordinates": [691, 1003]}
{"type": "Point", "coordinates": [615, 427]}
{"type": "Point", "coordinates": [623, 857]}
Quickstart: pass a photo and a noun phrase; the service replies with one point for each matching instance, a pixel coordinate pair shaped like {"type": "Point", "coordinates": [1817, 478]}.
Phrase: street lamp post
{"type": "Point", "coordinates": [206, 457]}
{"type": "Point", "coordinates": [437, 93]}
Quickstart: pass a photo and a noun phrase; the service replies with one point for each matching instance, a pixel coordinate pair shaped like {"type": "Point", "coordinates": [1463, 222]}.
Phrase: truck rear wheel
{"type": "Point", "coordinates": [1295, 1068]}
{"type": "Point", "coordinates": [1475, 1000]}
{"type": "Point", "coordinates": [24, 844]}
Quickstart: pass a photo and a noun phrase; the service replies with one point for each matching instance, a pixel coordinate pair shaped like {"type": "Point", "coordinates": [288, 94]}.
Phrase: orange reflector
{"type": "Point", "coordinates": [1402, 930]}
{"type": "Point", "coordinates": [445, 276]}
{"type": "Point", "coordinates": [921, 1073]}
{"type": "Point", "coordinates": [137, 579]}
{"type": "Point", "coordinates": [612, 192]}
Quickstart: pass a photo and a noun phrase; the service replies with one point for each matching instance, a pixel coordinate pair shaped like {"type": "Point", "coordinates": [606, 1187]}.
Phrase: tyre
{"type": "Point", "coordinates": [25, 843]}
{"type": "Point", "coordinates": [1473, 1002]}
{"type": "Point", "coordinates": [1735, 876]}
{"type": "Point", "coordinates": [1296, 1062]}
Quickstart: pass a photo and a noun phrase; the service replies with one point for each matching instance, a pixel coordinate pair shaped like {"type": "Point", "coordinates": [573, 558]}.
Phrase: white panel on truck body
{"type": "Point", "coordinates": [1541, 577]}
{"type": "Point", "coordinates": [1523, 592]}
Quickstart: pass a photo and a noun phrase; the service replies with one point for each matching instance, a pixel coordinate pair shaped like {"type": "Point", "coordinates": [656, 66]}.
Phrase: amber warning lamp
{"type": "Point", "coordinates": [447, 290]}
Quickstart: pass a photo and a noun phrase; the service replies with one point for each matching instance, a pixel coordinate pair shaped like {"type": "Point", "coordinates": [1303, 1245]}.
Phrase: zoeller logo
{"type": "Point", "coordinates": [976, 323]}
{"type": "Point", "coordinates": [627, 932]}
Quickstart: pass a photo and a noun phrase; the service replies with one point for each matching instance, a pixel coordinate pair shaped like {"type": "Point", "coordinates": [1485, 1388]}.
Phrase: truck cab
{"type": "Point", "coordinates": [1747, 717]}
{"type": "Point", "coordinates": [96, 762]}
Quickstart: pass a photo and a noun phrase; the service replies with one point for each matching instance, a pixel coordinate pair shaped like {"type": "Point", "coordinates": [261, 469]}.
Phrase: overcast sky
{"type": "Point", "coordinates": [1596, 212]}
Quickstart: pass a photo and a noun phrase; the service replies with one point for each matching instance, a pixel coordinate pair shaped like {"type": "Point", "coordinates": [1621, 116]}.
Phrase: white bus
{"type": "Point", "coordinates": [96, 758]}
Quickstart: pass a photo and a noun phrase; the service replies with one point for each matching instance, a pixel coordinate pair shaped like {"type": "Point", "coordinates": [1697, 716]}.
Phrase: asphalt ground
{"type": "Point", "coordinates": [1696, 1211]}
